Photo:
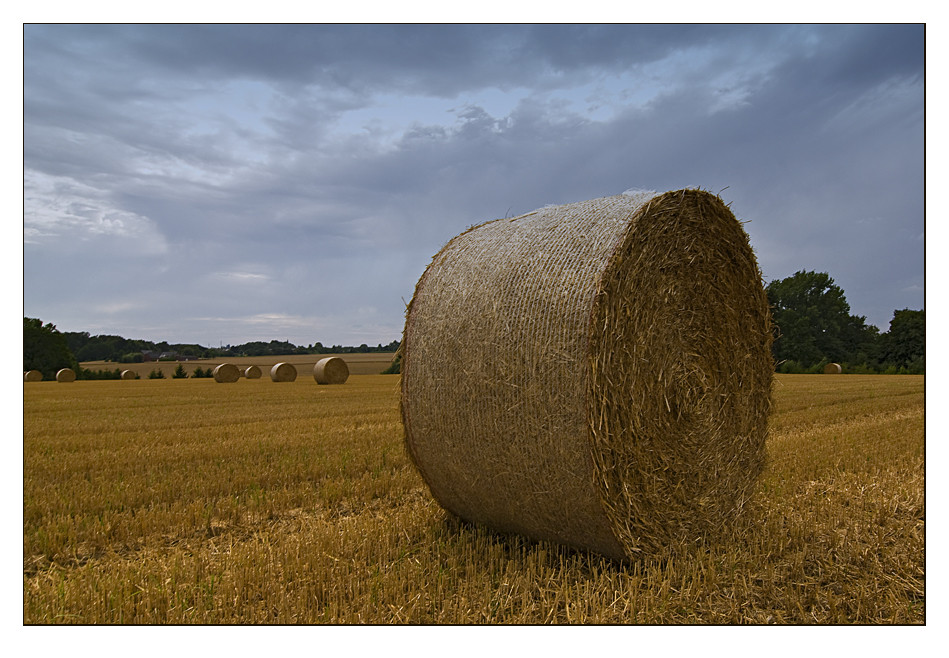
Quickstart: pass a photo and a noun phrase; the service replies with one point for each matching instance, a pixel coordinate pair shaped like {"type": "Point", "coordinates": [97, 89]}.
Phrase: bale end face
{"type": "Point", "coordinates": [833, 369]}
{"type": "Point", "coordinates": [128, 374]}
{"type": "Point", "coordinates": [32, 376]}
{"type": "Point", "coordinates": [252, 372]}
{"type": "Point", "coordinates": [331, 370]}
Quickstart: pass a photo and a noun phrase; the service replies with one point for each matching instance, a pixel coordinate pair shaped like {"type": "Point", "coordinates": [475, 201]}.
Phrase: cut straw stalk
{"type": "Point", "coordinates": [596, 374]}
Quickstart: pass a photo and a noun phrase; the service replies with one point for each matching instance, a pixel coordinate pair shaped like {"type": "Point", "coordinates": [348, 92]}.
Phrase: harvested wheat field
{"type": "Point", "coordinates": [262, 504]}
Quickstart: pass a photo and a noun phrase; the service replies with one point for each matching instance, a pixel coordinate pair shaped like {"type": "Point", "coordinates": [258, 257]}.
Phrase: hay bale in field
{"type": "Point", "coordinates": [32, 376]}
{"type": "Point", "coordinates": [128, 374]}
{"type": "Point", "coordinates": [331, 370]}
{"type": "Point", "coordinates": [596, 374]}
{"type": "Point", "coordinates": [226, 373]}
{"type": "Point", "coordinates": [252, 372]}
{"type": "Point", "coordinates": [283, 372]}
{"type": "Point", "coordinates": [833, 369]}
{"type": "Point", "coordinates": [66, 375]}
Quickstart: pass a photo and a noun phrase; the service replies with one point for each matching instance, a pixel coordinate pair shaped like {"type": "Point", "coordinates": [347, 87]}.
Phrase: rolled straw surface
{"type": "Point", "coordinates": [596, 374]}
{"type": "Point", "coordinates": [226, 373]}
{"type": "Point", "coordinates": [32, 376]}
{"type": "Point", "coordinates": [833, 369]}
{"type": "Point", "coordinates": [283, 372]}
{"type": "Point", "coordinates": [128, 374]}
{"type": "Point", "coordinates": [331, 370]}
{"type": "Point", "coordinates": [252, 372]}
{"type": "Point", "coordinates": [66, 375]}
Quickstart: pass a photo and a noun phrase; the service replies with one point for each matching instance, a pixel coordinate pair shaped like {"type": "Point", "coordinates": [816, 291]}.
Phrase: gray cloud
{"type": "Point", "coordinates": [208, 179]}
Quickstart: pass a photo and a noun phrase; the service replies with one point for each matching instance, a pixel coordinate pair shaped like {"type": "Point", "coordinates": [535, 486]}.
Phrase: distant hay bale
{"type": "Point", "coordinates": [833, 369]}
{"type": "Point", "coordinates": [66, 375]}
{"type": "Point", "coordinates": [128, 374]}
{"type": "Point", "coordinates": [283, 372]}
{"type": "Point", "coordinates": [226, 373]}
{"type": "Point", "coordinates": [331, 370]}
{"type": "Point", "coordinates": [252, 372]}
{"type": "Point", "coordinates": [32, 376]}
{"type": "Point", "coordinates": [596, 374]}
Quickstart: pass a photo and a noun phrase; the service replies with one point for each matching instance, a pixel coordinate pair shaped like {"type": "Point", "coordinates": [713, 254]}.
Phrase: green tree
{"type": "Point", "coordinates": [179, 373]}
{"type": "Point", "coordinates": [45, 349]}
{"type": "Point", "coordinates": [904, 345]}
{"type": "Point", "coordinates": [814, 322]}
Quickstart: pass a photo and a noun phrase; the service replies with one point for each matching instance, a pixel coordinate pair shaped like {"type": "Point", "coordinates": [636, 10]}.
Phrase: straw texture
{"type": "Point", "coordinates": [833, 369]}
{"type": "Point", "coordinates": [32, 376]}
{"type": "Point", "coordinates": [252, 372]}
{"type": "Point", "coordinates": [66, 375]}
{"type": "Point", "coordinates": [226, 373]}
{"type": "Point", "coordinates": [596, 374]}
{"type": "Point", "coordinates": [128, 374]}
{"type": "Point", "coordinates": [331, 370]}
{"type": "Point", "coordinates": [283, 372]}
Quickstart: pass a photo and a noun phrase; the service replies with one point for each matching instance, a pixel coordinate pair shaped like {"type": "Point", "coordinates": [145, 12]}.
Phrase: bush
{"type": "Point", "coordinates": [395, 367]}
{"type": "Point", "coordinates": [180, 373]}
{"type": "Point", "coordinates": [156, 374]}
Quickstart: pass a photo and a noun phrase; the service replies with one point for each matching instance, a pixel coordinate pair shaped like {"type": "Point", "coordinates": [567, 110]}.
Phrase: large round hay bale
{"type": "Point", "coordinates": [252, 372]}
{"type": "Point", "coordinates": [32, 376]}
{"type": "Point", "coordinates": [283, 372]}
{"type": "Point", "coordinates": [66, 375]}
{"type": "Point", "coordinates": [331, 370]}
{"type": "Point", "coordinates": [128, 374]}
{"type": "Point", "coordinates": [226, 373]}
{"type": "Point", "coordinates": [833, 369]}
{"type": "Point", "coordinates": [596, 374]}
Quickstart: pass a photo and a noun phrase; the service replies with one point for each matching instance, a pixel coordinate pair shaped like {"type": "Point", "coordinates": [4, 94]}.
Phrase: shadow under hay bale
{"type": "Point", "coordinates": [252, 372]}
{"type": "Point", "coordinates": [833, 369]}
{"type": "Point", "coordinates": [596, 374]}
{"type": "Point", "coordinates": [226, 373]}
{"type": "Point", "coordinates": [32, 376]}
{"type": "Point", "coordinates": [66, 375]}
{"type": "Point", "coordinates": [331, 370]}
{"type": "Point", "coordinates": [283, 372]}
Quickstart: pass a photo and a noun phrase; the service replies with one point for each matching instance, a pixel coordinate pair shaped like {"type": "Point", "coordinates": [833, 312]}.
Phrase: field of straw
{"type": "Point", "coordinates": [184, 501]}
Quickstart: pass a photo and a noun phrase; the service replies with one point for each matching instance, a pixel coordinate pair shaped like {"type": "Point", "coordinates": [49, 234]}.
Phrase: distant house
{"type": "Point", "coordinates": [151, 355]}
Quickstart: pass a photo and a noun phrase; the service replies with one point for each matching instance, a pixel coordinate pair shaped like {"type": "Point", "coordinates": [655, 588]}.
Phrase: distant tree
{"type": "Point", "coordinates": [45, 349]}
{"type": "Point", "coordinates": [179, 373]}
{"type": "Point", "coordinates": [814, 323]}
{"type": "Point", "coordinates": [156, 374]}
{"type": "Point", "coordinates": [904, 345]}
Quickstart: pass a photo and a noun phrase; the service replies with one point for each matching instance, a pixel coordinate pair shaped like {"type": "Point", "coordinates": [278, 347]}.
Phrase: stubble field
{"type": "Point", "coordinates": [188, 501]}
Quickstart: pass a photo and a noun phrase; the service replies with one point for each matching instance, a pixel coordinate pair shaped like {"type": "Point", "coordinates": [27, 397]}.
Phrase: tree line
{"type": "Point", "coordinates": [812, 323]}
{"type": "Point", "coordinates": [813, 327]}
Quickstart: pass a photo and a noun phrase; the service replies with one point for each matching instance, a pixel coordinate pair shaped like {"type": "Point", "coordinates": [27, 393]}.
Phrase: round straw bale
{"type": "Point", "coordinates": [128, 374]}
{"type": "Point", "coordinates": [596, 374]}
{"type": "Point", "coordinates": [252, 372]}
{"type": "Point", "coordinates": [331, 370]}
{"type": "Point", "coordinates": [833, 369]}
{"type": "Point", "coordinates": [32, 376]}
{"type": "Point", "coordinates": [283, 372]}
{"type": "Point", "coordinates": [66, 375]}
{"type": "Point", "coordinates": [226, 373]}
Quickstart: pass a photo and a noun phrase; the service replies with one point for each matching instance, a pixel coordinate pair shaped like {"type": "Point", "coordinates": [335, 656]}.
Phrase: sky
{"type": "Point", "coordinates": [223, 184]}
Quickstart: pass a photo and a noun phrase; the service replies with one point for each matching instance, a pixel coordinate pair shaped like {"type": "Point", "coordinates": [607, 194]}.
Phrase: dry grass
{"type": "Point", "coordinates": [186, 502]}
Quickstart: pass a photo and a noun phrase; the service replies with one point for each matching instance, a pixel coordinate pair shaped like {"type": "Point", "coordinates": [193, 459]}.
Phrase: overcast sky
{"type": "Point", "coordinates": [222, 184]}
